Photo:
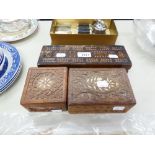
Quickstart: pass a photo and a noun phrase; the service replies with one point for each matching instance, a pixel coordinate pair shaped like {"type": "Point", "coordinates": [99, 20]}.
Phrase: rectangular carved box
{"type": "Point", "coordinates": [84, 56]}
{"type": "Point", "coordinates": [45, 89]}
{"type": "Point", "coordinates": [99, 90]}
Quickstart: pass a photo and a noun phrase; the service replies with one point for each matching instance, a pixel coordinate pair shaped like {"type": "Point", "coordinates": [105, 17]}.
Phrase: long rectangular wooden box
{"type": "Point", "coordinates": [45, 89]}
{"type": "Point", "coordinates": [99, 90]}
{"type": "Point", "coordinates": [84, 56]}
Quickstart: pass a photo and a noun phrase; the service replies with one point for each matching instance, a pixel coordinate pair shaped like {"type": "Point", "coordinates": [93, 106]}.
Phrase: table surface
{"type": "Point", "coordinates": [141, 75]}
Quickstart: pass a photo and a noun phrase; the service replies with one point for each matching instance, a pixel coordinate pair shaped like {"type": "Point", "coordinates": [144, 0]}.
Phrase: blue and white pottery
{"type": "Point", "coordinates": [11, 82]}
{"type": "Point", "coordinates": [1, 56]}
{"type": "Point", "coordinates": [3, 67]}
{"type": "Point", "coordinates": [13, 58]}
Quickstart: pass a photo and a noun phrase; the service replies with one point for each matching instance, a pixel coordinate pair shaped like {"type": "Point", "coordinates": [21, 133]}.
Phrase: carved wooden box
{"type": "Point", "coordinates": [84, 56]}
{"type": "Point", "coordinates": [45, 89]}
{"type": "Point", "coordinates": [99, 90]}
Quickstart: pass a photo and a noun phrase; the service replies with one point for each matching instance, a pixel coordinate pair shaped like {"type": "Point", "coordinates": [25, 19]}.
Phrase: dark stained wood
{"type": "Point", "coordinates": [84, 56]}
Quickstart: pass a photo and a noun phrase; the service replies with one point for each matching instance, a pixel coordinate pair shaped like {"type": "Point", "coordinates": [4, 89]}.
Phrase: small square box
{"type": "Point", "coordinates": [99, 90]}
{"type": "Point", "coordinates": [45, 89]}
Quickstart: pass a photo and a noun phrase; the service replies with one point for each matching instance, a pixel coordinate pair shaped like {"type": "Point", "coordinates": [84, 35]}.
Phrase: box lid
{"type": "Point", "coordinates": [99, 86]}
{"type": "Point", "coordinates": [45, 88]}
{"type": "Point", "coordinates": [84, 56]}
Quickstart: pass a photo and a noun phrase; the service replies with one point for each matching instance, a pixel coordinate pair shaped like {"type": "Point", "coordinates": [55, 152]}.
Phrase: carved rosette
{"type": "Point", "coordinates": [47, 85]}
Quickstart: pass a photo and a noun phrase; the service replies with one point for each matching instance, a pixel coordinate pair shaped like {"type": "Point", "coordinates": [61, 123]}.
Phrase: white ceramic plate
{"type": "Point", "coordinates": [16, 30]}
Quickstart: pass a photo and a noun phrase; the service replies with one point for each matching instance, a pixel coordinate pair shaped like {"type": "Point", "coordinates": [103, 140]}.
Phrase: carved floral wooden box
{"type": "Point", "coordinates": [45, 89]}
{"type": "Point", "coordinates": [99, 90]}
{"type": "Point", "coordinates": [84, 56]}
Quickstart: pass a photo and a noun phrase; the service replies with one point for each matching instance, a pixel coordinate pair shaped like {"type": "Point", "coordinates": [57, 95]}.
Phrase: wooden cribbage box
{"type": "Point", "coordinates": [112, 56]}
{"type": "Point", "coordinates": [99, 90]}
{"type": "Point", "coordinates": [45, 89]}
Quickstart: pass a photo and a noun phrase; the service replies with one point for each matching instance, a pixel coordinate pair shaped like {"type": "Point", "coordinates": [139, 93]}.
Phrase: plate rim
{"type": "Point", "coordinates": [34, 28]}
{"type": "Point", "coordinates": [13, 70]}
{"type": "Point", "coordinates": [12, 81]}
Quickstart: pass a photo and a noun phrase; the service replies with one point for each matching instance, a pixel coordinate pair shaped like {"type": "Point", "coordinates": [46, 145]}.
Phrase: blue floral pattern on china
{"type": "Point", "coordinates": [1, 57]}
{"type": "Point", "coordinates": [11, 81]}
{"type": "Point", "coordinates": [4, 67]}
{"type": "Point", "coordinates": [5, 79]}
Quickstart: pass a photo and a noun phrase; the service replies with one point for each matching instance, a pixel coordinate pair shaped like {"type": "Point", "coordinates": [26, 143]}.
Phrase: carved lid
{"type": "Point", "coordinates": [99, 86]}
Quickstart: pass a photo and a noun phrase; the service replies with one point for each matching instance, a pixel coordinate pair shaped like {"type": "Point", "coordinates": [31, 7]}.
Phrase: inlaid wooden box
{"type": "Point", "coordinates": [99, 90]}
{"type": "Point", "coordinates": [113, 56]}
{"type": "Point", "coordinates": [45, 89]}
